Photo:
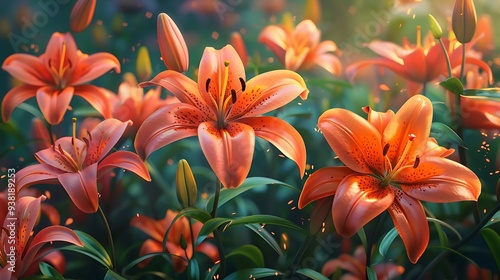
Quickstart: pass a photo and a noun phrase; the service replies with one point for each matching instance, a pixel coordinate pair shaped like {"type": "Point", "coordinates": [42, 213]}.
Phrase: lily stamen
{"type": "Point", "coordinates": [419, 36]}
{"type": "Point", "coordinates": [233, 96]}
{"type": "Point", "coordinates": [411, 137]}
{"type": "Point", "coordinates": [207, 84]}
{"type": "Point", "coordinates": [243, 84]}
{"type": "Point", "coordinates": [417, 162]}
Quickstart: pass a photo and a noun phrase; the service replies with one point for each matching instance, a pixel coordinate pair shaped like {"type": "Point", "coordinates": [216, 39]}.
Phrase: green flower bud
{"type": "Point", "coordinates": [143, 64]}
{"type": "Point", "coordinates": [436, 30]}
{"type": "Point", "coordinates": [185, 184]}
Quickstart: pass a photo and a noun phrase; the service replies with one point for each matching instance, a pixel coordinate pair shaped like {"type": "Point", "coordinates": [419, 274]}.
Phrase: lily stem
{"type": "Point", "coordinates": [218, 186]}
{"type": "Point", "coordinates": [371, 240]}
{"type": "Point", "coordinates": [50, 135]}
{"type": "Point", "coordinates": [460, 243]}
{"type": "Point", "coordinates": [217, 234]}
{"type": "Point", "coordinates": [110, 237]}
{"type": "Point", "coordinates": [447, 58]}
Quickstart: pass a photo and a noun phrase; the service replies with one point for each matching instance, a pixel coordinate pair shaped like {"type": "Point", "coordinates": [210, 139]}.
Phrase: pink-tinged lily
{"type": "Point", "coordinates": [23, 252]}
{"type": "Point", "coordinates": [56, 76]}
{"type": "Point", "coordinates": [224, 111]}
{"type": "Point", "coordinates": [173, 49]}
{"type": "Point", "coordinates": [390, 164]}
{"type": "Point", "coordinates": [417, 64]}
{"type": "Point", "coordinates": [356, 266]}
{"type": "Point", "coordinates": [81, 15]}
{"type": "Point", "coordinates": [301, 49]}
{"type": "Point", "coordinates": [156, 229]}
{"type": "Point", "coordinates": [78, 164]}
{"type": "Point", "coordinates": [132, 104]}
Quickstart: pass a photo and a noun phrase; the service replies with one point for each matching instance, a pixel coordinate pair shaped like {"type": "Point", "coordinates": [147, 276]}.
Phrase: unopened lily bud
{"type": "Point", "coordinates": [464, 20]}
{"type": "Point", "coordinates": [173, 49]}
{"type": "Point", "coordinates": [239, 45]}
{"type": "Point", "coordinates": [81, 15]}
{"type": "Point", "coordinates": [143, 65]}
{"type": "Point", "coordinates": [185, 184]}
{"type": "Point", "coordinates": [436, 30]}
{"type": "Point", "coordinates": [313, 10]}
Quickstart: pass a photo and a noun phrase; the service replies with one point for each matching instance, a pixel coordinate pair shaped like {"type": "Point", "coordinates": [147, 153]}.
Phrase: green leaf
{"type": "Point", "coordinates": [442, 132]}
{"type": "Point", "coordinates": [250, 183]}
{"type": "Point", "coordinates": [453, 84]}
{"type": "Point", "coordinates": [140, 259]}
{"type": "Point", "coordinates": [312, 274]}
{"type": "Point", "coordinates": [193, 269]}
{"type": "Point", "coordinates": [495, 219]}
{"type": "Point", "coordinates": [493, 241]}
{"type": "Point", "coordinates": [190, 212]}
{"type": "Point", "coordinates": [48, 270]}
{"type": "Point", "coordinates": [453, 251]}
{"type": "Point", "coordinates": [91, 248]}
{"type": "Point", "coordinates": [211, 272]}
{"type": "Point", "coordinates": [267, 219]}
{"type": "Point", "coordinates": [111, 275]}
{"type": "Point", "coordinates": [209, 227]}
{"type": "Point", "coordinates": [362, 236]}
{"type": "Point", "coordinates": [387, 241]}
{"type": "Point", "coordinates": [253, 273]}
{"type": "Point", "coordinates": [489, 93]}
{"type": "Point", "coordinates": [436, 221]}
{"type": "Point", "coordinates": [266, 236]}
{"type": "Point", "coordinates": [251, 252]}
{"type": "Point", "coordinates": [370, 273]}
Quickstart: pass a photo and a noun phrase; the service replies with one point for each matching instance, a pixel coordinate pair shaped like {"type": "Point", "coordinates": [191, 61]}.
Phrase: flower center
{"type": "Point", "coordinates": [60, 72]}
{"type": "Point", "coordinates": [392, 172]}
{"type": "Point", "coordinates": [76, 161]}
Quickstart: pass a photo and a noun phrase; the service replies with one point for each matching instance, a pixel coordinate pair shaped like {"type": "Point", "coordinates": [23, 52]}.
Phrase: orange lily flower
{"type": "Point", "coordinates": [132, 104]}
{"type": "Point", "coordinates": [25, 255]}
{"type": "Point", "coordinates": [390, 165]}
{"type": "Point", "coordinates": [417, 64]}
{"type": "Point", "coordinates": [480, 112]}
{"type": "Point", "coordinates": [356, 266]}
{"type": "Point", "coordinates": [301, 48]}
{"type": "Point", "coordinates": [484, 38]}
{"type": "Point", "coordinates": [78, 164]}
{"type": "Point", "coordinates": [225, 112]}
{"type": "Point", "coordinates": [57, 75]}
{"type": "Point", "coordinates": [81, 15]}
{"type": "Point", "coordinates": [156, 229]}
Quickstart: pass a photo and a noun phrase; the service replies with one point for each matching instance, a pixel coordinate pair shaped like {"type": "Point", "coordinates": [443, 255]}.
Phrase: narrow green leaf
{"type": "Point", "coordinates": [442, 132]}
{"type": "Point", "coordinates": [211, 272]}
{"type": "Point", "coordinates": [453, 251]}
{"type": "Point", "coordinates": [48, 270]}
{"type": "Point", "coordinates": [387, 241]}
{"type": "Point", "coordinates": [251, 252]}
{"type": "Point", "coordinates": [190, 212]}
{"type": "Point", "coordinates": [209, 227]}
{"type": "Point", "coordinates": [495, 219]}
{"type": "Point", "coordinates": [250, 183]}
{"type": "Point", "coordinates": [140, 259]}
{"type": "Point", "coordinates": [253, 273]}
{"type": "Point", "coordinates": [493, 241]}
{"type": "Point", "coordinates": [362, 236]}
{"type": "Point", "coordinates": [193, 269]}
{"type": "Point", "coordinates": [111, 275]}
{"type": "Point", "coordinates": [436, 221]}
{"type": "Point", "coordinates": [266, 236]}
{"type": "Point", "coordinates": [453, 84]}
{"type": "Point", "coordinates": [490, 93]}
{"type": "Point", "coordinates": [266, 219]}
{"type": "Point", "coordinates": [91, 248]}
{"type": "Point", "coordinates": [370, 273]}
{"type": "Point", "coordinates": [312, 274]}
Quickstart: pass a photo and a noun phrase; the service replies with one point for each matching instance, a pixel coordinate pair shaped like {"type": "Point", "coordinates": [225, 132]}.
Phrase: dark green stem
{"type": "Point", "coordinates": [217, 234]}
{"type": "Point", "coordinates": [371, 240]}
{"type": "Point", "coordinates": [50, 135]}
{"type": "Point", "coordinates": [462, 65]}
{"type": "Point", "coordinates": [447, 57]}
{"type": "Point", "coordinates": [218, 186]}
{"type": "Point", "coordinates": [460, 243]}
{"type": "Point", "coordinates": [110, 237]}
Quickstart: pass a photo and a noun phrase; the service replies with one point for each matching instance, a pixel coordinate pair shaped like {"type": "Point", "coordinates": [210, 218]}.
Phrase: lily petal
{"type": "Point", "coordinates": [54, 103]}
{"type": "Point", "coordinates": [212, 66]}
{"type": "Point", "coordinates": [228, 151]}
{"type": "Point", "coordinates": [166, 125]}
{"type": "Point", "coordinates": [322, 183]}
{"type": "Point", "coordinates": [325, 47]}
{"type": "Point", "coordinates": [410, 221]}
{"type": "Point", "coordinates": [282, 135]}
{"type": "Point", "coordinates": [82, 188]}
{"type": "Point", "coordinates": [94, 66]}
{"type": "Point", "coordinates": [353, 139]}
{"type": "Point", "coordinates": [433, 149]}
{"type": "Point", "coordinates": [413, 118]}
{"type": "Point", "coordinates": [274, 37]}
{"type": "Point", "coordinates": [294, 59]}
{"type": "Point", "coordinates": [27, 68]}
{"type": "Point", "coordinates": [353, 69]}
{"type": "Point", "coordinates": [103, 138]}
{"type": "Point", "coordinates": [438, 179]}
{"type": "Point", "coordinates": [209, 249]}
{"type": "Point", "coordinates": [98, 97]}
{"type": "Point", "coordinates": [58, 44]}
{"type": "Point", "coordinates": [268, 91]}
{"type": "Point", "coordinates": [416, 69]}
{"type": "Point", "coordinates": [126, 160]}
{"type": "Point", "coordinates": [185, 89]}
{"type": "Point", "coordinates": [36, 174]}
{"type": "Point", "coordinates": [49, 234]}
{"type": "Point", "coordinates": [27, 213]}
{"type": "Point", "coordinates": [149, 246]}
{"type": "Point", "coordinates": [150, 226]}
{"type": "Point", "coordinates": [14, 97]}
{"type": "Point", "coordinates": [330, 63]}
{"type": "Point", "coordinates": [358, 200]}
{"type": "Point", "coordinates": [379, 119]}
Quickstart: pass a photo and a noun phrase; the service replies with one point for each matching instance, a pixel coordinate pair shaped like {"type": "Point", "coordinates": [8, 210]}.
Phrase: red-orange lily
{"type": "Point", "coordinates": [390, 165]}
{"type": "Point", "coordinates": [77, 164]}
{"type": "Point", "coordinates": [56, 76]}
{"type": "Point", "coordinates": [25, 253]}
{"type": "Point", "coordinates": [225, 110]}
{"type": "Point", "coordinates": [132, 104]}
{"type": "Point", "coordinates": [156, 229]}
{"type": "Point", "coordinates": [81, 15]}
{"type": "Point", "coordinates": [356, 266]}
{"type": "Point", "coordinates": [301, 48]}
{"type": "Point", "coordinates": [417, 64]}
